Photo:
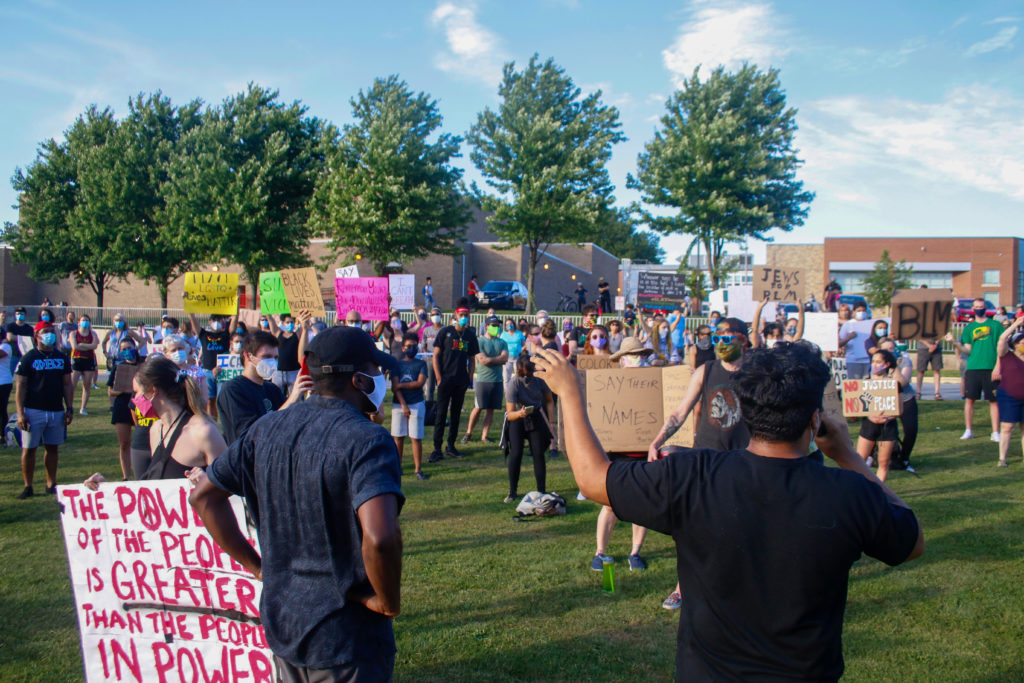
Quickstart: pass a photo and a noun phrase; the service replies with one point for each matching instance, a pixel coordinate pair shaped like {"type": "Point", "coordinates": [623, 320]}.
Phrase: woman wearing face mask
{"type": "Point", "coordinates": [533, 340]}
{"type": "Point", "coordinates": [46, 318]}
{"type": "Point", "coordinates": [177, 350]}
{"type": "Point", "coordinates": [774, 332]}
{"type": "Point", "coordinates": [529, 411]}
{"type": "Point", "coordinates": [597, 342]}
{"type": "Point", "coordinates": [84, 341]}
{"type": "Point", "coordinates": [702, 351]}
{"type": "Point", "coordinates": [390, 333]}
{"type": "Point", "coordinates": [112, 339]}
{"type": "Point", "coordinates": [1010, 392]}
{"type": "Point", "coordinates": [183, 436]}
{"type": "Point", "coordinates": [120, 402]}
{"type": "Point", "coordinates": [615, 336]}
{"type": "Point", "coordinates": [515, 340]}
{"type": "Point", "coordinates": [565, 335]}
{"type": "Point", "coordinates": [876, 429]}
{"type": "Point", "coordinates": [879, 330]}
{"type": "Point", "coordinates": [908, 397]}
{"type": "Point", "coordinates": [289, 340]}
{"type": "Point", "coordinates": [660, 343]}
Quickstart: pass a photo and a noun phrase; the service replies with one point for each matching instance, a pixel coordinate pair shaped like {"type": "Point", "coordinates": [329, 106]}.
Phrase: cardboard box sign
{"type": "Point", "coordinates": [779, 284]}
{"type": "Point", "coordinates": [921, 313]}
{"type": "Point", "coordinates": [863, 397]}
{"type": "Point", "coordinates": [592, 362]}
{"type": "Point", "coordinates": [627, 406]}
{"type": "Point", "coordinates": [123, 376]}
{"type": "Point", "coordinates": [302, 291]}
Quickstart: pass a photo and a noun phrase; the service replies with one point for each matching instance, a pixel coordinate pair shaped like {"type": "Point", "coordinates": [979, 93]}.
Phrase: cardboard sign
{"type": "Point", "coordinates": [272, 297]}
{"type": "Point", "coordinates": [823, 330]}
{"type": "Point", "coordinates": [157, 599]}
{"type": "Point", "coordinates": [123, 376]}
{"type": "Point", "coordinates": [402, 289]}
{"type": "Point", "coordinates": [626, 406]}
{"type": "Point", "coordinates": [839, 373]}
{"type": "Point", "coordinates": [302, 289]}
{"type": "Point", "coordinates": [229, 366]}
{"type": "Point", "coordinates": [211, 293]}
{"type": "Point", "coordinates": [347, 271]}
{"type": "Point", "coordinates": [368, 295]}
{"type": "Point", "coordinates": [921, 313]}
{"type": "Point", "coordinates": [592, 362]}
{"type": "Point", "coordinates": [250, 317]}
{"type": "Point", "coordinates": [863, 397]}
{"type": "Point", "coordinates": [675, 381]}
{"type": "Point", "coordinates": [778, 284]}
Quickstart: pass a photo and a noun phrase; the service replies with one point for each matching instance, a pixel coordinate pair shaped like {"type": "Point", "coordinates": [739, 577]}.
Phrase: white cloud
{"type": "Point", "coordinates": [725, 35]}
{"type": "Point", "coordinates": [473, 50]}
{"type": "Point", "coordinates": [1002, 40]}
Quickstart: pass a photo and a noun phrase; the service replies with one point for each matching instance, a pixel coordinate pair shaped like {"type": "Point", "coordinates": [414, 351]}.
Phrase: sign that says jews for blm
{"type": "Point", "coordinates": [779, 284]}
{"type": "Point", "coordinates": [157, 599]}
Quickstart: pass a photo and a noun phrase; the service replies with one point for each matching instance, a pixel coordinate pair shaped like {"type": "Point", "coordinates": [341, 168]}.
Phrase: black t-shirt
{"type": "Point", "coordinates": [44, 377]}
{"type": "Point", "coordinates": [288, 352]}
{"type": "Point", "coordinates": [456, 350]}
{"type": "Point", "coordinates": [214, 343]}
{"type": "Point", "coordinates": [241, 402]}
{"type": "Point", "coordinates": [764, 548]}
{"type": "Point", "coordinates": [22, 330]}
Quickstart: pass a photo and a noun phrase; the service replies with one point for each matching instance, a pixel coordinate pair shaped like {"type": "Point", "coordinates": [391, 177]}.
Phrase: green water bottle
{"type": "Point", "coordinates": [608, 575]}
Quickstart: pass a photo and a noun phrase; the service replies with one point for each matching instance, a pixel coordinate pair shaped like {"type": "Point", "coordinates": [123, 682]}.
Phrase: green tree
{"type": "Point", "coordinates": [387, 192]}
{"type": "Point", "coordinates": [544, 152]}
{"type": "Point", "coordinates": [617, 234]}
{"type": "Point", "coordinates": [885, 278]}
{"type": "Point", "coordinates": [724, 161]}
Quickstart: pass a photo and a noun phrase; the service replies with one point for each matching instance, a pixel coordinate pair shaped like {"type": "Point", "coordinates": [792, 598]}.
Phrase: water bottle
{"type": "Point", "coordinates": [608, 575]}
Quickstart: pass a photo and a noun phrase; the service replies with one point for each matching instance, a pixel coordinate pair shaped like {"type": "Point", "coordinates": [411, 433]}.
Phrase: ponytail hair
{"type": "Point", "coordinates": [162, 374]}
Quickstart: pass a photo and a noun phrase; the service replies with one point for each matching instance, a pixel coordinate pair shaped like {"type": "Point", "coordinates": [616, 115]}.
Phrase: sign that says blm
{"type": "Point", "coordinates": [778, 284]}
{"type": "Point", "coordinates": [922, 313]}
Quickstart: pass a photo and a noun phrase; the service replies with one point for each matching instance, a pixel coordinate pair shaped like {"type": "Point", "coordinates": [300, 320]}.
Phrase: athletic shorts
{"type": "Point", "coordinates": [979, 383]}
{"type": "Point", "coordinates": [83, 364]}
{"type": "Point", "coordinates": [1010, 409]}
{"type": "Point", "coordinates": [46, 427]}
{"type": "Point", "coordinates": [121, 409]}
{"type": "Point", "coordinates": [924, 358]}
{"type": "Point", "coordinates": [488, 395]}
{"type": "Point", "coordinates": [408, 426]}
{"type": "Point", "coordinates": [879, 432]}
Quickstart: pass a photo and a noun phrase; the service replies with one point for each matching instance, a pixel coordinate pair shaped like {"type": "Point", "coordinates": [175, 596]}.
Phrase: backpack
{"type": "Point", "coordinates": [540, 504]}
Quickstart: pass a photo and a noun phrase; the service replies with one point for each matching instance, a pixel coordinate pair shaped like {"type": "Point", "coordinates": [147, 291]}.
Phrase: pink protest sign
{"type": "Point", "coordinates": [368, 295]}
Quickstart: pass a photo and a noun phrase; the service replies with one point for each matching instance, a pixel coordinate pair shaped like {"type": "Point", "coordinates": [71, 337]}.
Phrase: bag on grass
{"type": "Point", "coordinates": [541, 504]}
{"type": "Point", "coordinates": [12, 434]}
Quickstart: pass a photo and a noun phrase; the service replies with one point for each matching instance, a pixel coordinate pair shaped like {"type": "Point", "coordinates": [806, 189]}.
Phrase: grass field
{"type": "Point", "coordinates": [489, 599]}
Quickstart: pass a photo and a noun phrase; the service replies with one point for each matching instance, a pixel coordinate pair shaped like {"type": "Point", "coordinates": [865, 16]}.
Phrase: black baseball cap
{"type": "Point", "coordinates": [735, 325]}
{"type": "Point", "coordinates": [345, 349]}
{"type": "Point", "coordinates": [20, 309]}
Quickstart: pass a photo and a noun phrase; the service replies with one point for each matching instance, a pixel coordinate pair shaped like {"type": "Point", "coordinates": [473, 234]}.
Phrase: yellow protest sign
{"type": "Point", "coordinates": [211, 293]}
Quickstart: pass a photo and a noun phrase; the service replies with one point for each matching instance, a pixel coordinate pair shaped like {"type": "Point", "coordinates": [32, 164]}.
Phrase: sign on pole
{"type": "Point", "coordinates": [211, 293]}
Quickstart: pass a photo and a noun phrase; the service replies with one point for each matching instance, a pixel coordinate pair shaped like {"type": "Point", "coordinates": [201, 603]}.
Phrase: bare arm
{"type": "Point", "coordinates": [191, 319]}
{"type": "Point", "coordinates": [210, 441]}
{"type": "Point", "coordinates": [382, 553]}
{"type": "Point", "coordinates": [1003, 347]}
{"type": "Point", "coordinates": [20, 394]}
{"type": "Point", "coordinates": [962, 348]}
{"type": "Point", "coordinates": [678, 416]}
{"type": "Point", "coordinates": [755, 327]}
{"type": "Point", "coordinates": [211, 504]}
{"type": "Point", "coordinates": [415, 384]}
{"type": "Point", "coordinates": [272, 321]}
{"type": "Point", "coordinates": [436, 362]}
{"type": "Point", "coordinates": [799, 321]}
{"type": "Point", "coordinates": [549, 407]}
{"type": "Point", "coordinates": [303, 384]}
{"type": "Point", "coordinates": [233, 324]}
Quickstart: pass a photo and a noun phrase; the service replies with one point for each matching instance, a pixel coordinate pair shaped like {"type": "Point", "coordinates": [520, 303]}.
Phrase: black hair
{"type": "Point", "coordinates": [773, 330]}
{"type": "Point", "coordinates": [411, 336]}
{"type": "Point", "coordinates": [889, 356]}
{"type": "Point", "coordinates": [463, 302]}
{"type": "Point", "coordinates": [779, 389]}
{"type": "Point", "coordinates": [523, 363]}
{"type": "Point", "coordinates": [257, 340]}
{"type": "Point", "coordinates": [45, 310]}
{"type": "Point", "coordinates": [588, 308]}
{"type": "Point", "coordinates": [172, 321]}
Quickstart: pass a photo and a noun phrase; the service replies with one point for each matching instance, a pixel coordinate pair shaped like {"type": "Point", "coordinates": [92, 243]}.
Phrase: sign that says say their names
{"type": "Point", "coordinates": [863, 397]}
{"type": "Point", "coordinates": [403, 291]}
{"type": "Point", "coordinates": [211, 293]}
{"type": "Point", "coordinates": [157, 599]}
{"type": "Point", "coordinates": [921, 313]}
{"type": "Point", "coordinates": [302, 289]}
{"type": "Point", "coordinates": [272, 297]}
{"type": "Point", "coordinates": [368, 295]}
{"type": "Point", "coordinates": [627, 406]}
{"type": "Point", "coordinates": [779, 284]}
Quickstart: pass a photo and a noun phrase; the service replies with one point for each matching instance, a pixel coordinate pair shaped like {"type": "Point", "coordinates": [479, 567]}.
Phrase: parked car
{"type": "Point", "coordinates": [963, 310]}
{"type": "Point", "coordinates": [853, 300]}
{"type": "Point", "coordinates": [506, 295]}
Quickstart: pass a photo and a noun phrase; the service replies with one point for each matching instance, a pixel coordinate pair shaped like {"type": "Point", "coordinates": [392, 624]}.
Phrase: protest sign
{"type": "Point", "coordinates": [229, 366]}
{"type": "Point", "coordinates": [272, 297]}
{"type": "Point", "coordinates": [402, 289]}
{"type": "Point", "coordinates": [620, 303]}
{"type": "Point", "coordinates": [863, 397]}
{"type": "Point", "coordinates": [831, 403]}
{"type": "Point", "coordinates": [302, 290]}
{"type": "Point", "coordinates": [675, 380]}
{"type": "Point", "coordinates": [660, 290]}
{"type": "Point", "coordinates": [347, 271]}
{"type": "Point", "coordinates": [921, 313]}
{"type": "Point", "coordinates": [593, 362]}
{"type": "Point", "coordinates": [740, 302]}
{"type": "Point", "coordinates": [838, 372]}
{"type": "Point", "coordinates": [627, 406]}
{"type": "Point", "coordinates": [250, 317]}
{"type": "Point", "coordinates": [778, 284]}
{"type": "Point", "coordinates": [822, 329]}
{"type": "Point", "coordinates": [211, 293]}
{"type": "Point", "coordinates": [368, 295]}
{"type": "Point", "coordinates": [157, 599]}
{"type": "Point", "coordinates": [123, 376]}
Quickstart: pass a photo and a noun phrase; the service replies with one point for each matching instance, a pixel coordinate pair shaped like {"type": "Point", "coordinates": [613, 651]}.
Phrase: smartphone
{"type": "Point", "coordinates": [304, 369]}
{"type": "Point", "coordinates": [529, 410]}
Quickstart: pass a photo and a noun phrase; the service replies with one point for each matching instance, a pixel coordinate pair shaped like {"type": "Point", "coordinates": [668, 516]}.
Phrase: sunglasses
{"type": "Point", "coordinates": [724, 338]}
{"type": "Point", "coordinates": [597, 336]}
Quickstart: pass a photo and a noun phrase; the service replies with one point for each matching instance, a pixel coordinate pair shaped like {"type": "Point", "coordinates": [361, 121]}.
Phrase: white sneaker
{"type": "Point", "coordinates": [968, 434]}
{"type": "Point", "coordinates": [995, 436]}
{"type": "Point", "coordinates": [580, 496]}
{"type": "Point", "coordinates": [82, 412]}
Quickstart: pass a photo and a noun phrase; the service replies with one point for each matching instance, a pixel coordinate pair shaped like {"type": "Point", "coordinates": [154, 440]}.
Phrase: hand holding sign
{"type": "Point", "coordinates": [367, 295]}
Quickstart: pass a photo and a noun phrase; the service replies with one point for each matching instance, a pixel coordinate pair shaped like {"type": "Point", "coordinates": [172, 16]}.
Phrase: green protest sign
{"type": "Point", "coordinates": [272, 298]}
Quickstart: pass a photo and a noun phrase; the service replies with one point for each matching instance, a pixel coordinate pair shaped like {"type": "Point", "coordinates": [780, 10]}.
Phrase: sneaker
{"type": "Point", "coordinates": [580, 496]}
{"type": "Point", "coordinates": [435, 457]}
{"type": "Point", "coordinates": [464, 439]}
{"type": "Point", "coordinates": [597, 564]}
{"type": "Point", "coordinates": [636, 563]}
{"type": "Point", "coordinates": [995, 436]}
{"type": "Point", "coordinates": [486, 440]}
{"type": "Point", "coordinates": [968, 434]}
{"type": "Point", "coordinates": [1002, 463]}
{"type": "Point", "coordinates": [421, 476]}
{"type": "Point", "coordinates": [511, 498]}
{"type": "Point", "coordinates": [452, 453]}
{"type": "Point", "coordinates": [82, 412]}
{"type": "Point", "coordinates": [51, 490]}
{"type": "Point", "coordinates": [553, 454]}
{"type": "Point", "coordinates": [673, 601]}
{"type": "Point", "coordinates": [27, 493]}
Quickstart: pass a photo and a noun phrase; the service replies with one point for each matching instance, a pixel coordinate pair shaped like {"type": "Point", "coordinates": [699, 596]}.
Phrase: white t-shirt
{"type": "Point", "coordinates": [855, 351]}
{"type": "Point", "coordinates": [5, 365]}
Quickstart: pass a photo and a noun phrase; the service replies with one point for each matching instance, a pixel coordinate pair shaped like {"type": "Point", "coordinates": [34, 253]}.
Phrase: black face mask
{"type": "Point", "coordinates": [979, 312]}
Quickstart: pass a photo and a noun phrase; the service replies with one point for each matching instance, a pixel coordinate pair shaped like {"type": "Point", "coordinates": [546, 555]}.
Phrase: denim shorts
{"type": "Point", "coordinates": [1010, 409]}
{"type": "Point", "coordinates": [45, 427]}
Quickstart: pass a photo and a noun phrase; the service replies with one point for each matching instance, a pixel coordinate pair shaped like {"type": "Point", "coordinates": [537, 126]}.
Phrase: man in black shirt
{"type": "Point", "coordinates": [19, 336]}
{"type": "Point", "coordinates": [455, 349]}
{"type": "Point", "coordinates": [43, 390]}
{"type": "Point", "coordinates": [215, 340]}
{"type": "Point", "coordinates": [252, 395]}
{"type": "Point", "coordinates": [765, 537]}
{"type": "Point", "coordinates": [288, 334]}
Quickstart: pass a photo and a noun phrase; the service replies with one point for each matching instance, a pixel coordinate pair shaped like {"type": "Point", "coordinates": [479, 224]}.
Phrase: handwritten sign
{"type": "Point", "coordinates": [863, 397]}
{"type": "Point", "coordinates": [157, 599]}
{"type": "Point", "coordinates": [347, 271]}
{"type": "Point", "coordinates": [123, 376]}
{"type": "Point", "coordinates": [229, 366]}
{"type": "Point", "coordinates": [368, 295]}
{"type": "Point", "coordinates": [822, 329]}
{"type": "Point", "coordinates": [302, 289]}
{"type": "Point", "coordinates": [272, 297]}
{"type": "Point", "coordinates": [627, 406]}
{"type": "Point", "coordinates": [593, 362]}
{"type": "Point", "coordinates": [249, 317]}
{"type": "Point", "coordinates": [778, 284]}
{"type": "Point", "coordinates": [211, 293]}
{"type": "Point", "coordinates": [675, 380]}
{"type": "Point", "coordinates": [839, 373]}
{"type": "Point", "coordinates": [403, 291]}
{"type": "Point", "coordinates": [921, 313]}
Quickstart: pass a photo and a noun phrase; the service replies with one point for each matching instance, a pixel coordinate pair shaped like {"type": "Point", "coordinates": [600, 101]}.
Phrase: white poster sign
{"type": "Point", "coordinates": [823, 330]}
{"type": "Point", "coordinates": [347, 271]}
{"type": "Point", "coordinates": [402, 289]}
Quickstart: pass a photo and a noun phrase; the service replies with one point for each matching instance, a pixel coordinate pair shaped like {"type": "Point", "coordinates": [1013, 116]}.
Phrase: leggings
{"type": "Point", "coordinates": [538, 440]}
{"type": "Point", "coordinates": [5, 396]}
{"type": "Point", "coordinates": [908, 418]}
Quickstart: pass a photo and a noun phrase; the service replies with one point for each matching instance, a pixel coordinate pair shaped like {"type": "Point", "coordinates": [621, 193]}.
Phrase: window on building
{"type": "Point", "coordinates": [991, 278]}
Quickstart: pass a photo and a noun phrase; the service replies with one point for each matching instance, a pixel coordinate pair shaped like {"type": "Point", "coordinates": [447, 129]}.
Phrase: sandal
{"type": "Point", "coordinates": [938, 397]}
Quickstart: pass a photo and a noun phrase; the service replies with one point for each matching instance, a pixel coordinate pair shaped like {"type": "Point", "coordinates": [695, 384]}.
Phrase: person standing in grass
{"type": "Point", "coordinates": [979, 341]}
{"type": "Point", "coordinates": [408, 407]}
{"type": "Point", "coordinates": [765, 537]}
{"type": "Point", "coordinates": [1010, 394]}
{"type": "Point", "coordinates": [455, 350]}
{"type": "Point", "coordinates": [487, 386]}
{"type": "Point", "coordinates": [531, 411]}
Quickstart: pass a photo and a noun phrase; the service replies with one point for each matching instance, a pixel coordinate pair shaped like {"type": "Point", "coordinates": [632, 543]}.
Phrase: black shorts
{"type": "Point", "coordinates": [121, 409]}
{"type": "Point", "coordinates": [879, 432]}
{"type": "Point", "coordinates": [924, 358]}
{"type": "Point", "coordinates": [978, 383]}
{"type": "Point", "coordinates": [83, 364]}
{"type": "Point", "coordinates": [488, 395]}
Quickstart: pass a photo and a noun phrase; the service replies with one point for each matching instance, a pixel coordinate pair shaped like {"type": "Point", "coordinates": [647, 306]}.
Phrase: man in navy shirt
{"type": "Point", "coordinates": [764, 536]}
{"type": "Point", "coordinates": [321, 482]}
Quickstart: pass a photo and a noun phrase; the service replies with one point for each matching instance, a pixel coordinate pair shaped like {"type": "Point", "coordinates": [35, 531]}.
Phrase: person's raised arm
{"type": "Point", "coordinates": [1003, 346]}
{"type": "Point", "coordinates": [233, 324]}
{"type": "Point", "coordinates": [303, 385]}
{"type": "Point", "coordinates": [304, 317]}
{"type": "Point", "coordinates": [755, 327]}
{"type": "Point", "coordinates": [382, 554]}
{"type": "Point", "coordinates": [191, 319]}
{"type": "Point", "coordinates": [678, 416]}
{"type": "Point", "coordinates": [212, 505]}
{"type": "Point", "coordinates": [962, 348]}
{"type": "Point", "coordinates": [799, 321]}
{"type": "Point", "coordinates": [272, 323]}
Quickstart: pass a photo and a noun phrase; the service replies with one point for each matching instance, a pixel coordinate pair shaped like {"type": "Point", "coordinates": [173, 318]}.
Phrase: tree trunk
{"type": "Point", "coordinates": [530, 276]}
{"type": "Point", "coordinates": [162, 286]}
{"type": "Point", "coordinates": [98, 284]}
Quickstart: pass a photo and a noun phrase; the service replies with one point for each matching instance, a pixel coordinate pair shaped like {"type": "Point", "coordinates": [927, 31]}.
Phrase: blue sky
{"type": "Point", "coordinates": [911, 114]}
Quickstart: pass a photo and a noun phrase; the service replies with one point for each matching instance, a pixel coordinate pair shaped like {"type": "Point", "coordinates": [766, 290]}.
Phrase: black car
{"type": "Point", "coordinates": [507, 295]}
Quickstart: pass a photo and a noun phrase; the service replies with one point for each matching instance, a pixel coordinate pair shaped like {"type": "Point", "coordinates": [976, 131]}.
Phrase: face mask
{"type": "Point", "coordinates": [84, 325]}
{"type": "Point", "coordinates": [366, 327]}
{"type": "Point", "coordinates": [423, 316]}
{"type": "Point", "coordinates": [728, 352]}
{"type": "Point", "coordinates": [598, 343]}
{"type": "Point", "coordinates": [289, 327]}
{"type": "Point", "coordinates": [20, 317]}
{"type": "Point", "coordinates": [119, 324]}
{"type": "Point", "coordinates": [790, 330]}
{"type": "Point", "coordinates": [144, 405]}
{"type": "Point", "coordinates": [493, 330]}
{"type": "Point", "coordinates": [861, 315]}
{"type": "Point", "coordinates": [396, 323]}
{"type": "Point", "coordinates": [436, 319]}
{"type": "Point", "coordinates": [237, 347]}
{"type": "Point", "coordinates": [410, 352]}
{"type": "Point", "coordinates": [567, 326]}
{"type": "Point", "coordinates": [541, 321]}
{"type": "Point", "coordinates": [48, 339]}
{"type": "Point", "coordinates": [380, 387]}
{"type": "Point", "coordinates": [129, 355]}
{"type": "Point", "coordinates": [216, 326]}
{"type": "Point", "coordinates": [178, 357]}
{"type": "Point", "coordinates": [168, 331]}
{"type": "Point", "coordinates": [463, 321]}
{"type": "Point", "coordinates": [632, 361]}
{"type": "Point", "coordinates": [703, 343]}
{"type": "Point", "coordinates": [663, 334]}
{"type": "Point", "coordinates": [264, 324]}
{"type": "Point", "coordinates": [979, 312]}
{"type": "Point", "coordinates": [45, 317]}
{"type": "Point", "coordinates": [878, 369]}
{"type": "Point", "coordinates": [881, 332]}
{"type": "Point", "coordinates": [266, 367]}
{"type": "Point", "coordinates": [510, 327]}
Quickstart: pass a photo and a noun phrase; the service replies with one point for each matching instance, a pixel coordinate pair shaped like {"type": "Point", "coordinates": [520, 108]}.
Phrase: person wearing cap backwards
{"type": "Point", "coordinates": [322, 484]}
{"type": "Point", "coordinates": [455, 350]}
{"type": "Point", "coordinates": [43, 388]}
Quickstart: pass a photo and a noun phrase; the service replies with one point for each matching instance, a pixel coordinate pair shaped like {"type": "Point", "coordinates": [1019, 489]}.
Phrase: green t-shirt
{"type": "Point", "coordinates": [983, 338]}
{"type": "Point", "coordinates": [492, 348]}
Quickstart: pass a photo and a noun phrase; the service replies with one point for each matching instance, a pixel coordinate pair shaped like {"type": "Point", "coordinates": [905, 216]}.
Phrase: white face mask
{"type": "Point", "coordinates": [380, 387]}
{"type": "Point", "coordinates": [860, 315]}
{"type": "Point", "coordinates": [266, 367]}
{"type": "Point", "coordinates": [178, 357]}
{"type": "Point", "coordinates": [436, 319]}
